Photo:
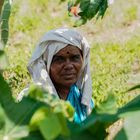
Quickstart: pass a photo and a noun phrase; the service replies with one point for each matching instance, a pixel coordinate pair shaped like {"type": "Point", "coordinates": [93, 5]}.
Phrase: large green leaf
{"type": "Point", "coordinates": [51, 121]}
{"type": "Point", "coordinates": [131, 128]}
{"type": "Point", "coordinates": [133, 105]}
{"type": "Point", "coordinates": [17, 115]}
{"type": "Point", "coordinates": [38, 116]}
{"type": "Point", "coordinates": [50, 127]}
{"type": "Point", "coordinates": [95, 125]}
{"type": "Point", "coordinates": [130, 114]}
{"type": "Point", "coordinates": [108, 106]}
{"type": "Point", "coordinates": [46, 121]}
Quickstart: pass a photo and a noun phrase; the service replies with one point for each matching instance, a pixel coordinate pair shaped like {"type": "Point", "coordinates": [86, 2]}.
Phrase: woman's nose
{"type": "Point", "coordinates": [68, 65]}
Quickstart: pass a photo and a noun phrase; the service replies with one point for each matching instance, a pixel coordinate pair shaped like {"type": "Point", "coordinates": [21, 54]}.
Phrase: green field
{"type": "Point", "coordinates": [114, 41]}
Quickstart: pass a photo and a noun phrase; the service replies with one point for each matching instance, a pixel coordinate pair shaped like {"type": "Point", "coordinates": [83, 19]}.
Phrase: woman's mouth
{"type": "Point", "coordinates": [69, 76]}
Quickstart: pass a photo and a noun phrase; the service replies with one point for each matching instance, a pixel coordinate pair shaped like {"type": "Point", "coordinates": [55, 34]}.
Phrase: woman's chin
{"type": "Point", "coordinates": [69, 83]}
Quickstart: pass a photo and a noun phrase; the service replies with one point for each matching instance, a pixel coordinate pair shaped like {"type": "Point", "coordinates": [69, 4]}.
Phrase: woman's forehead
{"type": "Point", "coordinates": [69, 49]}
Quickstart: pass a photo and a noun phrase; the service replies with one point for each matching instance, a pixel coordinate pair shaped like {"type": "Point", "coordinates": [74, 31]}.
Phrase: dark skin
{"type": "Point", "coordinates": [65, 69]}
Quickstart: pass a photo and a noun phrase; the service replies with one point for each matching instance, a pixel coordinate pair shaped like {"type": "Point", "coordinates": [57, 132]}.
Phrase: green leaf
{"type": "Point", "coordinates": [50, 127]}
{"type": "Point", "coordinates": [108, 106]}
{"type": "Point", "coordinates": [17, 115]}
{"type": "Point", "coordinates": [52, 102]}
{"type": "Point", "coordinates": [133, 88]}
{"type": "Point", "coordinates": [47, 112]}
{"type": "Point", "coordinates": [4, 25]}
{"type": "Point", "coordinates": [3, 60]}
{"type": "Point", "coordinates": [131, 128]}
{"type": "Point", "coordinates": [90, 7]}
{"type": "Point", "coordinates": [65, 108]}
{"type": "Point", "coordinates": [1, 4]}
{"type": "Point", "coordinates": [64, 127]}
{"type": "Point", "coordinates": [130, 114]}
{"type": "Point", "coordinates": [4, 36]}
{"type": "Point", "coordinates": [33, 136]}
{"type": "Point", "coordinates": [102, 8]}
{"type": "Point", "coordinates": [95, 125]}
{"type": "Point", "coordinates": [5, 123]}
{"type": "Point", "coordinates": [133, 105]}
{"type": "Point", "coordinates": [5, 14]}
{"type": "Point", "coordinates": [85, 135]}
{"type": "Point", "coordinates": [2, 116]}
{"type": "Point", "coordinates": [38, 116]}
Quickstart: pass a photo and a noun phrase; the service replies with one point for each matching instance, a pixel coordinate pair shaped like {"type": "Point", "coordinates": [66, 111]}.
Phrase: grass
{"type": "Point", "coordinates": [112, 64]}
{"type": "Point", "coordinates": [115, 45]}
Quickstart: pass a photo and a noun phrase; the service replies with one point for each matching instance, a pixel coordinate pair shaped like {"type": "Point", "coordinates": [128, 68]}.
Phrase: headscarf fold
{"type": "Point", "coordinates": [51, 43]}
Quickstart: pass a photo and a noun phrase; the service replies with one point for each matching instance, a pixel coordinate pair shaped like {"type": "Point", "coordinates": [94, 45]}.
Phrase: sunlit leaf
{"type": "Point", "coordinates": [3, 60]}
{"type": "Point", "coordinates": [130, 129]}
{"type": "Point", "coordinates": [108, 106]}
{"type": "Point", "coordinates": [38, 116]}
{"type": "Point", "coordinates": [50, 127]}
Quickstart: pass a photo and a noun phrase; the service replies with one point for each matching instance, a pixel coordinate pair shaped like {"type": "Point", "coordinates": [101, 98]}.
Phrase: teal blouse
{"type": "Point", "coordinates": [74, 97]}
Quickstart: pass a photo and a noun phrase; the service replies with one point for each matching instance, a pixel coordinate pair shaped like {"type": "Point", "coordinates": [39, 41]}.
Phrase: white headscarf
{"type": "Point", "coordinates": [52, 42]}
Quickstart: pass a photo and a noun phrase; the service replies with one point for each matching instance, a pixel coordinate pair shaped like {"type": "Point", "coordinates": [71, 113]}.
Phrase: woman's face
{"type": "Point", "coordinates": [65, 67]}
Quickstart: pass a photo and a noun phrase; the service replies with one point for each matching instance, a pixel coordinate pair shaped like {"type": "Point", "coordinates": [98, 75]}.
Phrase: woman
{"type": "Point", "coordinates": [60, 64]}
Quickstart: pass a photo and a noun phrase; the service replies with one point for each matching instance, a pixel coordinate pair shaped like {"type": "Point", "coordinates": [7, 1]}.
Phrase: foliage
{"type": "Point", "coordinates": [112, 66]}
{"type": "Point", "coordinates": [13, 120]}
{"type": "Point", "coordinates": [45, 117]}
{"type": "Point", "coordinates": [15, 117]}
{"type": "Point", "coordinates": [88, 9]}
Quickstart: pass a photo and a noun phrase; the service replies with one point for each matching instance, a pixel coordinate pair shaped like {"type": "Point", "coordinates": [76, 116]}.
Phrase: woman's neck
{"type": "Point", "coordinates": [62, 92]}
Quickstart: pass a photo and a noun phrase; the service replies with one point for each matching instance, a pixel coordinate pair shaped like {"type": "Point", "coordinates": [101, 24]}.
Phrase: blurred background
{"type": "Point", "coordinates": [114, 41]}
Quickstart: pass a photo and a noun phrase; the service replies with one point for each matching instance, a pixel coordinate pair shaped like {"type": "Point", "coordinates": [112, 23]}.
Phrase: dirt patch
{"type": "Point", "coordinates": [120, 34]}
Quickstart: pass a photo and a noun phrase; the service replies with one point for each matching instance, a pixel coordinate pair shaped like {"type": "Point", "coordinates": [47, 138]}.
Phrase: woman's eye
{"type": "Point", "coordinates": [58, 59]}
{"type": "Point", "coordinates": [75, 57]}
